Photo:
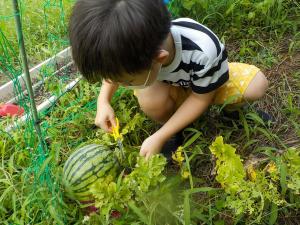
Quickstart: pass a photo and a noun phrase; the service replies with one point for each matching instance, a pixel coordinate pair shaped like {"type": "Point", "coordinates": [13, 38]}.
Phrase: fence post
{"type": "Point", "coordinates": [28, 82]}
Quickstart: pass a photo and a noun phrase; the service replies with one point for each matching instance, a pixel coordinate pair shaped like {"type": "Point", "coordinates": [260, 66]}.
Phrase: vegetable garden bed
{"type": "Point", "coordinates": [67, 130]}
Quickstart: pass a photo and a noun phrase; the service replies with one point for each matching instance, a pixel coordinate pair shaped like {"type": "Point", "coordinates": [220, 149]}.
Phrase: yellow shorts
{"type": "Point", "coordinates": [240, 76]}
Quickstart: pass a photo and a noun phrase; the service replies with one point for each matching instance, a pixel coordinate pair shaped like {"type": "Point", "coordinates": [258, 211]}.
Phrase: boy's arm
{"type": "Point", "coordinates": [107, 91]}
{"type": "Point", "coordinates": [189, 111]}
{"type": "Point", "coordinates": [105, 116]}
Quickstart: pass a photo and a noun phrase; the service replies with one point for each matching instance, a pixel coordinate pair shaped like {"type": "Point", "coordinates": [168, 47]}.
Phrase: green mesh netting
{"type": "Point", "coordinates": [45, 34]}
{"type": "Point", "coordinates": [30, 169]}
{"type": "Point", "coordinates": [44, 29]}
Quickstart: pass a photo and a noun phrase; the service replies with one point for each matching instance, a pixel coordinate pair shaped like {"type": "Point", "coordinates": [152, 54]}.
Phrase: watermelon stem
{"type": "Point", "coordinates": [121, 147]}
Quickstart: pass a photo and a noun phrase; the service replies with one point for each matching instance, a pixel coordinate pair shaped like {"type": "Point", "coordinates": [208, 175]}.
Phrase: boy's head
{"type": "Point", "coordinates": [118, 39]}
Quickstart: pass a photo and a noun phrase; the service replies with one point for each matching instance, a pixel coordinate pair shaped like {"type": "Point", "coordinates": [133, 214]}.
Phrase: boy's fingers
{"type": "Point", "coordinates": [145, 154]}
{"type": "Point", "coordinates": [109, 128]}
{"type": "Point", "coordinates": [106, 126]}
{"type": "Point", "coordinates": [97, 123]}
{"type": "Point", "coordinates": [148, 156]}
{"type": "Point", "coordinates": [142, 153]}
{"type": "Point", "coordinates": [113, 121]}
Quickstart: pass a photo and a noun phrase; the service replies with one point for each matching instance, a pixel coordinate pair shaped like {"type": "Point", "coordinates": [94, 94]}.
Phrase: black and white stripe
{"type": "Point", "coordinates": [200, 61]}
{"type": "Point", "coordinates": [199, 27]}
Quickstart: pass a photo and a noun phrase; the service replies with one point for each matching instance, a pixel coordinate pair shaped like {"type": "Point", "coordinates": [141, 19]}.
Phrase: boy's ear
{"type": "Point", "coordinates": [162, 56]}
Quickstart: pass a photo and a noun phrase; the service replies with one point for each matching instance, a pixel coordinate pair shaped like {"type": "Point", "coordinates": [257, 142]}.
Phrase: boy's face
{"type": "Point", "coordinates": [141, 80]}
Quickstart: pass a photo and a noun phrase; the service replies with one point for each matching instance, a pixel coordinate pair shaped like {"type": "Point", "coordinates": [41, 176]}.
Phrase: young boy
{"type": "Point", "coordinates": [178, 69]}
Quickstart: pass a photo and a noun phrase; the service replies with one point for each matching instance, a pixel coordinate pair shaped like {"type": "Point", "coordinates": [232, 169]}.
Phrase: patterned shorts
{"type": "Point", "coordinates": [240, 76]}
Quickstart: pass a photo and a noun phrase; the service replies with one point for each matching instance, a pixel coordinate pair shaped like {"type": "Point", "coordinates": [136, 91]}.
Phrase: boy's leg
{"type": "Point", "coordinates": [156, 101]}
{"type": "Point", "coordinates": [159, 102]}
{"type": "Point", "coordinates": [255, 90]}
{"type": "Point", "coordinates": [257, 87]}
{"type": "Point", "coordinates": [246, 83]}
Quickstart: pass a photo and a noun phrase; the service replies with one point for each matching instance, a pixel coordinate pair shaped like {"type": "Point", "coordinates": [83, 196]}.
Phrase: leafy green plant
{"type": "Point", "coordinates": [244, 196]}
{"type": "Point", "coordinates": [117, 194]}
{"type": "Point", "coordinates": [292, 160]}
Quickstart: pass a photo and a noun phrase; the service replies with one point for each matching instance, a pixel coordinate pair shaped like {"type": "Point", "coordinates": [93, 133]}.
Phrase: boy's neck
{"type": "Point", "coordinates": [169, 46]}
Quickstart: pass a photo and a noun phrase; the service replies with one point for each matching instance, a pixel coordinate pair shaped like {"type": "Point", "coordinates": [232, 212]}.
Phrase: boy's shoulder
{"type": "Point", "coordinates": [191, 24]}
{"type": "Point", "coordinates": [185, 19]}
{"type": "Point", "coordinates": [195, 36]}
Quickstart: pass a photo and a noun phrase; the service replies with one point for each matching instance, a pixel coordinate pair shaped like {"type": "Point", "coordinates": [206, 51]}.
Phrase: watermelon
{"type": "Point", "coordinates": [85, 166]}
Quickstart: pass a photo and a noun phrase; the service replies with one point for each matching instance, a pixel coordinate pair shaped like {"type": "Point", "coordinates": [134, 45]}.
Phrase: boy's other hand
{"type": "Point", "coordinates": [151, 146]}
{"type": "Point", "coordinates": [105, 117]}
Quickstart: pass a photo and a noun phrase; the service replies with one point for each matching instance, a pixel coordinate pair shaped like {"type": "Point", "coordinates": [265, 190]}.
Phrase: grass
{"type": "Point", "coordinates": [272, 45]}
{"type": "Point", "coordinates": [44, 25]}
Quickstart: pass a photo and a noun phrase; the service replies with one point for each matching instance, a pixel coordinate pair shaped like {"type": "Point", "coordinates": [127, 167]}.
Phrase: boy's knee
{"type": "Point", "coordinates": [153, 97]}
{"type": "Point", "coordinates": [158, 108]}
{"type": "Point", "coordinates": [257, 87]}
{"type": "Point", "coordinates": [149, 104]}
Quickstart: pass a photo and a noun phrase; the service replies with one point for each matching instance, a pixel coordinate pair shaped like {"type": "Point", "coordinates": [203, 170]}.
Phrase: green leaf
{"type": "Point", "coordinates": [43, 166]}
{"type": "Point", "coordinates": [243, 196]}
{"type": "Point", "coordinates": [202, 189]}
{"type": "Point", "coordinates": [138, 212]}
{"type": "Point", "coordinates": [219, 222]}
{"type": "Point", "coordinates": [188, 4]}
{"type": "Point", "coordinates": [55, 215]}
{"type": "Point", "coordinates": [186, 209]}
{"type": "Point", "coordinates": [273, 214]}
{"type": "Point", "coordinates": [283, 175]}
{"type": "Point", "coordinates": [192, 139]}
{"type": "Point", "coordinates": [220, 204]}
{"type": "Point", "coordinates": [265, 133]}
{"type": "Point", "coordinates": [5, 193]}
{"type": "Point", "coordinates": [11, 167]}
{"type": "Point", "coordinates": [229, 166]}
{"type": "Point", "coordinates": [245, 124]}
{"type": "Point", "coordinates": [229, 101]}
{"type": "Point", "coordinates": [187, 160]}
{"type": "Point", "coordinates": [255, 118]}
{"type": "Point", "coordinates": [120, 179]}
{"type": "Point", "coordinates": [230, 9]}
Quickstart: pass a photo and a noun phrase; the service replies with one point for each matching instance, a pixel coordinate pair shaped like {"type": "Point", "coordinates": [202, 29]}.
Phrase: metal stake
{"type": "Point", "coordinates": [27, 74]}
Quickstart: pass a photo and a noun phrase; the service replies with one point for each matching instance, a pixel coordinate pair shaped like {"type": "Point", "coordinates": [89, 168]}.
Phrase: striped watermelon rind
{"type": "Point", "coordinates": [85, 166]}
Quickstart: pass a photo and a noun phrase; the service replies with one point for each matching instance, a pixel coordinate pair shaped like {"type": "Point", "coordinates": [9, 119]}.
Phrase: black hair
{"type": "Point", "coordinates": [111, 37]}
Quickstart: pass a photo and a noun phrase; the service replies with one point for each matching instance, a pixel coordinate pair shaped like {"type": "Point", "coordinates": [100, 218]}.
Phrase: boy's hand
{"type": "Point", "coordinates": [151, 146]}
{"type": "Point", "coordinates": [105, 117]}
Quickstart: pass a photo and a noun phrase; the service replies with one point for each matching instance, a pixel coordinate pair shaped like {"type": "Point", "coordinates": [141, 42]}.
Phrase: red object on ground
{"type": "Point", "coordinates": [115, 214]}
{"type": "Point", "coordinates": [11, 110]}
{"type": "Point", "coordinates": [89, 209]}
{"type": "Point", "coordinates": [93, 209]}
